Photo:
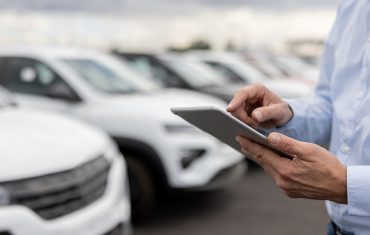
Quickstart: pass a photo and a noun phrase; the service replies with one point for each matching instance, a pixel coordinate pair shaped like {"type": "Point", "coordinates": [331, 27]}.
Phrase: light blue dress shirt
{"type": "Point", "coordinates": [339, 111]}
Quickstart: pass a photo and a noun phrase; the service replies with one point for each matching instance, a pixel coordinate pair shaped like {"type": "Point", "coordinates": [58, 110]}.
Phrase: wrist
{"type": "Point", "coordinates": [340, 188]}
{"type": "Point", "coordinates": [288, 115]}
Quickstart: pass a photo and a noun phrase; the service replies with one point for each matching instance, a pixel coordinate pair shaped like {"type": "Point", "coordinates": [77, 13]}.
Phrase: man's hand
{"type": "Point", "coordinates": [259, 107]}
{"type": "Point", "coordinates": [313, 173]}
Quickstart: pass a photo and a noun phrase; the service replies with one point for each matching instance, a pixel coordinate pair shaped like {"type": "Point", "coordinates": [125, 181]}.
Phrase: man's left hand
{"type": "Point", "coordinates": [313, 172]}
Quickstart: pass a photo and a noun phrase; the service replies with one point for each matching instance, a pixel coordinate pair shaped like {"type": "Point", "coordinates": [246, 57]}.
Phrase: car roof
{"type": "Point", "coordinates": [133, 54]}
{"type": "Point", "coordinates": [213, 55]}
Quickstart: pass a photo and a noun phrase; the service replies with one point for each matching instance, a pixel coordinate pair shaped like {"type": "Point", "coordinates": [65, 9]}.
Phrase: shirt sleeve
{"type": "Point", "coordinates": [358, 190]}
{"type": "Point", "coordinates": [312, 117]}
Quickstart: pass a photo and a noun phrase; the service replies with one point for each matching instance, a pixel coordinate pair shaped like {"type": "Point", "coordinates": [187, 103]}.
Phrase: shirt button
{"type": "Point", "coordinates": [345, 149]}
{"type": "Point", "coordinates": [361, 94]}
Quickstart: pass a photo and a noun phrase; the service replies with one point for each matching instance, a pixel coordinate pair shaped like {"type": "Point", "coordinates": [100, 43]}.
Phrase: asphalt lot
{"type": "Point", "coordinates": [255, 206]}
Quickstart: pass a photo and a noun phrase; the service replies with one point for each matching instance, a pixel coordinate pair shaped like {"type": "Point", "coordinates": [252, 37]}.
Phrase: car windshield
{"type": "Point", "coordinates": [266, 67]}
{"type": "Point", "coordinates": [240, 68]}
{"type": "Point", "coordinates": [109, 76]}
{"type": "Point", "coordinates": [195, 73]}
{"type": "Point", "coordinates": [292, 65]}
{"type": "Point", "coordinates": [245, 70]}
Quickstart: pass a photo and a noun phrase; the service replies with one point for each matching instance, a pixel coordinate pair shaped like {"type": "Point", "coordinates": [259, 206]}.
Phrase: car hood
{"type": "Point", "coordinates": [35, 143]}
{"type": "Point", "coordinates": [158, 104]}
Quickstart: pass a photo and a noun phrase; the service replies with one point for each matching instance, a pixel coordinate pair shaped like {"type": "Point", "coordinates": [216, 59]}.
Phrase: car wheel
{"type": "Point", "coordinates": [142, 189]}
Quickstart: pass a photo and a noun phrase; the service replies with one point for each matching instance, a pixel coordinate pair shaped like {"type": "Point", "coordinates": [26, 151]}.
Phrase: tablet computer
{"type": "Point", "coordinates": [223, 126]}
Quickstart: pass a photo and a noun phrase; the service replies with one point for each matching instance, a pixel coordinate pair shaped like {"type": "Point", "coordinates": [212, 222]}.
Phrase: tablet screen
{"type": "Point", "coordinates": [223, 126]}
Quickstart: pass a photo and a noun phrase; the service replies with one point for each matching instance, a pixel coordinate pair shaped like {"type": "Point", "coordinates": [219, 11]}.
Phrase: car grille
{"type": "Point", "coordinates": [5, 233]}
{"type": "Point", "coordinates": [118, 230]}
{"type": "Point", "coordinates": [55, 195]}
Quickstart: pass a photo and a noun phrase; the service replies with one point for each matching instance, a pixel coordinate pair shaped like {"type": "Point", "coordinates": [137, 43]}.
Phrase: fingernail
{"type": "Point", "coordinates": [258, 115]}
{"type": "Point", "coordinates": [275, 138]}
{"type": "Point", "coordinates": [238, 139]}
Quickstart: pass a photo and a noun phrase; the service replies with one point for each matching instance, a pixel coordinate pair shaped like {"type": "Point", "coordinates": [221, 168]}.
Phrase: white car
{"type": "Point", "coordinates": [58, 176]}
{"type": "Point", "coordinates": [234, 68]}
{"type": "Point", "coordinates": [293, 66]}
{"type": "Point", "coordinates": [162, 150]}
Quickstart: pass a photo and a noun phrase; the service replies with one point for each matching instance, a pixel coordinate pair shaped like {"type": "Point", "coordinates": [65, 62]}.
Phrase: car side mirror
{"type": "Point", "coordinates": [63, 92]}
{"type": "Point", "coordinates": [28, 74]}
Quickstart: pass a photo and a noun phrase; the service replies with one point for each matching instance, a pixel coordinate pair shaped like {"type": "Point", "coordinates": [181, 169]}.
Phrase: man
{"type": "Point", "coordinates": [337, 114]}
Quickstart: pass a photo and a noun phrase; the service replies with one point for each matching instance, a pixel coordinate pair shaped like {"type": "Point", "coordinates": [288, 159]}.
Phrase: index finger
{"type": "Point", "coordinates": [243, 116]}
{"type": "Point", "coordinates": [241, 96]}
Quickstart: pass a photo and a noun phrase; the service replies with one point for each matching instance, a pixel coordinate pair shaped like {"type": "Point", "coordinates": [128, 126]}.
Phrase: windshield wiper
{"type": "Point", "coordinates": [123, 92]}
{"type": "Point", "coordinates": [209, 86]}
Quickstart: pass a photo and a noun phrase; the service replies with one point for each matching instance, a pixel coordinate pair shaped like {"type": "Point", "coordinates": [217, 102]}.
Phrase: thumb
{"type": "Point", "coordinates": [288, 145]}
{"type": "Point", "coordinates": [263, 114]}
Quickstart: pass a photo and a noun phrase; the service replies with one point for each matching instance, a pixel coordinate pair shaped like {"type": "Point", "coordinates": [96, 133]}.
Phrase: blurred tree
{"type": "Point", "coordinates": [198, 44]}
{"type": "Point", "coordinates": [230, 46]}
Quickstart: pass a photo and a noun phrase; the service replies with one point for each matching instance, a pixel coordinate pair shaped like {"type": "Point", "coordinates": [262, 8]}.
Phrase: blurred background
{"type": "Point", "coordinates": [156, 25]}
{"type": "Point", "coordinates": [178, 53]}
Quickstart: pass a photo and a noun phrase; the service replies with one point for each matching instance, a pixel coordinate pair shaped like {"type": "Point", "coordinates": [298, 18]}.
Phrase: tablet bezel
{"type": "Point", "coordinates": [199, 116]}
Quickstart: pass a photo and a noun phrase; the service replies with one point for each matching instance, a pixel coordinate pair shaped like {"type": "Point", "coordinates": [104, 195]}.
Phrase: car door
{"type": "Point", "coordinates": [37, 85]}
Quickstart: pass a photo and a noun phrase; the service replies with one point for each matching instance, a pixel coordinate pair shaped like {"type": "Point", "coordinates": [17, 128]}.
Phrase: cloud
{"type": "Point", "coordinates": [156, 6]}
{"type": "Point", "coordinates": [245, 28]}
{"type": "Point", "coordinates": [157, 24]}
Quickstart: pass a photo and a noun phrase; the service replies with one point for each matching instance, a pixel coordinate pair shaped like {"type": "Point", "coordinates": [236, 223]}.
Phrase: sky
{"type": "Point", "coordinates": [156, 5]}
{"type": "Point", "coordinates": [153, 25]}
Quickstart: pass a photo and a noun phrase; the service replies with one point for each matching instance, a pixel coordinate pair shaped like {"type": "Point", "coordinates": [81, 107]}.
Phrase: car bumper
{"type": "Point", "coordinates": [224, 178]}
{"type": "Point", "coordinates": [202, 171]}
{"type": "Point", "coordinates": [110, 212]}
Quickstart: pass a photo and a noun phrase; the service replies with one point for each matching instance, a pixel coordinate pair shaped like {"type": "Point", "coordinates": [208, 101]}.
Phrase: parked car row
{"type": "Point", "coordinates": [219, 74]}
{"type": "Point", "coordinates": [162, 151]}
{"type": "Point", "coordinates": [81, 115]}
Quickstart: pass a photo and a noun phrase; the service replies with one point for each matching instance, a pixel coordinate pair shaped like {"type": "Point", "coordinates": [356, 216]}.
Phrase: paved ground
{"type": "Point", "coordinates": [254, 207]}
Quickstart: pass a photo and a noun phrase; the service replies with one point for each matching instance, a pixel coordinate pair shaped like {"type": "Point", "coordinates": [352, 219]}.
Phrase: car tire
{"type": "Point", "coordinates": [142, 189]}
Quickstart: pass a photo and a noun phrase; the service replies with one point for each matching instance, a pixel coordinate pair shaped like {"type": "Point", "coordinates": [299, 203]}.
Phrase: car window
{"type": "Point", "coordinates": [195, 74]}
{"type": "Point", "coordinates": [32, 77]}
{"type": "Point", "coordinates": [2, 72]}
{"type": "Point", "coordinates": [226, 72]}
{"type": "Point", "coordinates": [142, 64]}
{"type": "Point", "coordinates": [151, 69]}
{"type": "Point", "coordinates": [105, 77]}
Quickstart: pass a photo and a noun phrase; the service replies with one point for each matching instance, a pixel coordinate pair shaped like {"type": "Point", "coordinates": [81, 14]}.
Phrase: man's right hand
{"type": "Point", "coordinates": [257, 106]}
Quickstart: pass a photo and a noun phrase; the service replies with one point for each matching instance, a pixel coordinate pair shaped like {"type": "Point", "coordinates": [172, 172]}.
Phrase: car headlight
{"type": "Point", "coordinates": [112, 151]}
{"type": "Point", "coordinates": [175, 129]}
{"type": "Point", "coordinates": [4, 197]}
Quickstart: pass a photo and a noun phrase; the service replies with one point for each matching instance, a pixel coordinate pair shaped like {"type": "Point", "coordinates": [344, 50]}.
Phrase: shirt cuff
{"type": "Point", "coordinates": [358, 190]}
{"type": "Point", "coordinates": [291, 128]}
